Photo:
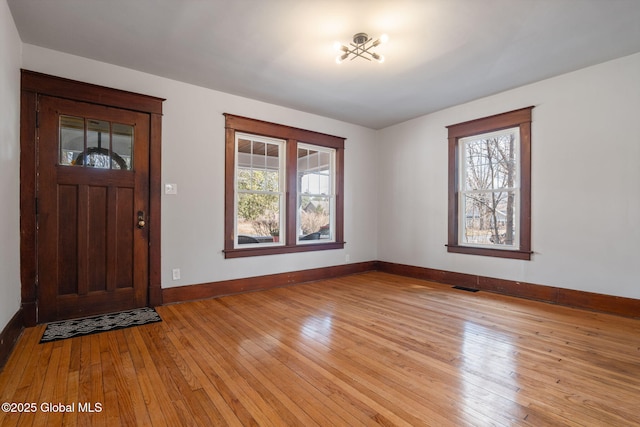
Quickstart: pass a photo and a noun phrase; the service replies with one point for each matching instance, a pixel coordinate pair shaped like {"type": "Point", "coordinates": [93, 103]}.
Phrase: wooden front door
{"type": "Point", "coordinates": [92, 209]}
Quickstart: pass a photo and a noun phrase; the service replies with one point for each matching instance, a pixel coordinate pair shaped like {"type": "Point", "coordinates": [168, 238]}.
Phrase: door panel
{"type": "Point", "coordinates": [93, 179]}
{"type": "Point", "coordinates": [124, 237]}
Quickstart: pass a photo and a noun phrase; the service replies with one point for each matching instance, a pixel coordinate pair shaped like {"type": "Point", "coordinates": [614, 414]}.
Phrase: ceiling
{"type": "Point", "coordinates": [440, 53]}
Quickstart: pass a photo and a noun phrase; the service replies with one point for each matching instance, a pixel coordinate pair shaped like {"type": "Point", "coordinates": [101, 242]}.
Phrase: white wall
{"type": "Point", "coordinates": [10, 54]}
{"type": "Point", "coordinates": [193, 158]}
{"type": "Point", "coordinates": [585, 183]}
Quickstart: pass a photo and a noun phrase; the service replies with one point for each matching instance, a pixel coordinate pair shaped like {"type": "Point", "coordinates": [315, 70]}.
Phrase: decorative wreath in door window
{"type": "Point", "coordinates": [99, 157]}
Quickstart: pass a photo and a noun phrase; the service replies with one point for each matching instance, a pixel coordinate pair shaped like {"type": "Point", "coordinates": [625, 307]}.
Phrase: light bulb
{"type": "Point", "coordinates": [384, 38]}
{"type": "Point", "coordinates": [341, 58]}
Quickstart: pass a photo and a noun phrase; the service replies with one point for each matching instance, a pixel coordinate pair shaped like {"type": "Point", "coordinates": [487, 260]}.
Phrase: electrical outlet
{"type": "Point", "coordinates": [176, 273]}
{"type": "Point", "coordinates": [347, 257]}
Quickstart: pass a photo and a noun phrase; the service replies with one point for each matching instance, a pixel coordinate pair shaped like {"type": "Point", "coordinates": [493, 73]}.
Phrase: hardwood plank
{"type": "Point", "coordinates": [19, 361]}
{"type": "Point", "coordinates": [194, 357]}
{"type": "Point", "coordinates": [132, 385]}
{"type": "Point", "coordinates": [151, 379]}
{"type": "Point", "coordinates": [366, 349]}
{"type": "Point", "coordinates": [114, 385]}
{"type": "Point", "coordinates": [31, 384]}
{"type": "Point", "coordinates": [171, 368]}
{"type": "Point", "coordinates": [73, 381]}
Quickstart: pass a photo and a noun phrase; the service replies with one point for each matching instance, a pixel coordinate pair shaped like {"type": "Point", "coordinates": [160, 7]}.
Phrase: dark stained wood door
{"type": "Point", "coordinates": [93, 199]}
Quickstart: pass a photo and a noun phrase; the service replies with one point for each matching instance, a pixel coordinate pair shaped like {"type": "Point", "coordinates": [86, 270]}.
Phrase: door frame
{"type": "Point", "coordinates": [34, 84]}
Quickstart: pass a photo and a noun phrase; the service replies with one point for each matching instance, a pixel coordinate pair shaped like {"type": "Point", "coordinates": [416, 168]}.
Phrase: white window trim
{"type": "Point", "coordinates": [281, 185]}
{"type": "Point", "coordinates": [332, 195]}
{"type": "Point", "coordinates": [462, 192]}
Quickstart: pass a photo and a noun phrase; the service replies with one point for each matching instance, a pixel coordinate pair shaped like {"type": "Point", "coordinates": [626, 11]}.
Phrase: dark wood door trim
{"type": "Point", "coordinates": [59, 87]}
{"type": "Point", "coordinates": [34, 84]}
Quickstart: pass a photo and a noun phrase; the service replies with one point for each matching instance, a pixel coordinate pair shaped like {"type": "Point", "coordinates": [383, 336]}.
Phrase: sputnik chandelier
{"type": "Point", "coordinates": [360, 48]}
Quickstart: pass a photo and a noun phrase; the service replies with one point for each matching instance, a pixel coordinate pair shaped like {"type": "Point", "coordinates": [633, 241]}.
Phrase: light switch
{"type": "Point", "coordinates": [171, 189]}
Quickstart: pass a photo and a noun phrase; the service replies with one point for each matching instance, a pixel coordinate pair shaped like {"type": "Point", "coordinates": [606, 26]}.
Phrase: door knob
{"type": "Point", "coordinates": [141, 221]}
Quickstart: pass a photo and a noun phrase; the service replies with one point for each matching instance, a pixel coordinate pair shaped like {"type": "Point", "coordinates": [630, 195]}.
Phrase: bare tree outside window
{"type": "Point", "coordinates": [489, 193]}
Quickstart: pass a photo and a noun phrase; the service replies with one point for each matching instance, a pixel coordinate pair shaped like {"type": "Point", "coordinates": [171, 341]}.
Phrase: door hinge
{"type": "Point", "coordinates": [36, 206]}
{"type": "Point", "coordinates": [37, 119]}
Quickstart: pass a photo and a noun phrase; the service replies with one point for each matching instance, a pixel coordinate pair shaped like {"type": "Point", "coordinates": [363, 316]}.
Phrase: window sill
{"type": "Point", "coordinates": [496, 253]}
{"type": "Point", "coordinates": [275, 250]}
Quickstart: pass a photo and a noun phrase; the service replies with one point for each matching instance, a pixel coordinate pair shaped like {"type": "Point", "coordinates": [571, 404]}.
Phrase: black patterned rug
{"type": "Point", "coordinates": [92, 325]}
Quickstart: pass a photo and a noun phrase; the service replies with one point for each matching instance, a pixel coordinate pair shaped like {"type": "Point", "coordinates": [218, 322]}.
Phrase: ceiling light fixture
{"type": "Point", "coordinates": [360, 47]}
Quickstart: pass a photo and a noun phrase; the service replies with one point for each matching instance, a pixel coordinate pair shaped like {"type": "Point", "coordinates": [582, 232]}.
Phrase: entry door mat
{"type": "Point", "coordinates": [92, 325]}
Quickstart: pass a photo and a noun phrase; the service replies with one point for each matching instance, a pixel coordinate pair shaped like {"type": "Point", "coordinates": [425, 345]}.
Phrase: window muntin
{"type": "Point", "coordinates": [260, 198]}
{"type": "Point", "coordinates": [490, 189]}
{"type": "Point", "coordinates": [490, 186]}
{"type": "Point", "coordinates": [316, 193]}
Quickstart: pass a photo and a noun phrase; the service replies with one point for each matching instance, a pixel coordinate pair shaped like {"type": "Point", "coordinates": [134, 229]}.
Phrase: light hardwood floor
{"type": "Point", "coordinates": [366, 349]}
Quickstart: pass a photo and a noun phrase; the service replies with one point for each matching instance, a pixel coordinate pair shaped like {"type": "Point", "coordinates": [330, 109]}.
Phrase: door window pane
{"type": "Point", "coordinates": [71, 139]}
{"type": "Point", "coordinates": [122, 146]}
{"type": "Point", "coordinates": [98, 144]}
{"type": "Point", "coordinates": [95, 143]}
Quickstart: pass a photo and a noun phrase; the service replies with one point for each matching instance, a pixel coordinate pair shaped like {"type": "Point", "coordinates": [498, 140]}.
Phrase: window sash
{"type": "Point", "coordinates": [307, 222]}
{"type": "Point", "coordinates": [272, 224]}
{"type": "Point", "coordinates": [465, 230]}
{"type": "Point", "coordinates": [463, 144]}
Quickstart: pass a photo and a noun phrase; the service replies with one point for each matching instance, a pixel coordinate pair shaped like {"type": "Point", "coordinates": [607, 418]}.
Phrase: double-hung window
{"type": "Point", "coordinates": [283, 189]}
{"type": "Point", "coordinates": [489, 186]}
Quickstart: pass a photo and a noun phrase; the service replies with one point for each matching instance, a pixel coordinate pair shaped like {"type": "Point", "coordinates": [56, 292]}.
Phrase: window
{"type": "Point", "coordinates": [95, 143]}
{"type": "Point", "coordinates": [283, 189]}
{"type": "Point", "coordinates": [490, 186]}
